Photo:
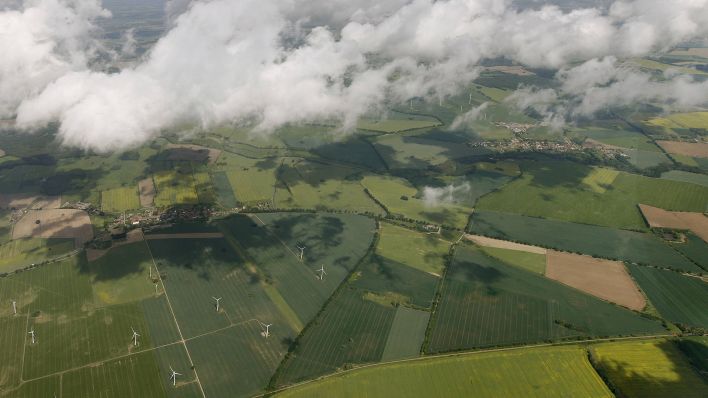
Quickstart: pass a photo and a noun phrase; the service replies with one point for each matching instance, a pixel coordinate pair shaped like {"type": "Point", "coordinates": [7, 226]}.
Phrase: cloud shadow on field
{"type": "Point", "coordinates": [625, 381]}
{"type": "Point", "coordinates": [479, 273]}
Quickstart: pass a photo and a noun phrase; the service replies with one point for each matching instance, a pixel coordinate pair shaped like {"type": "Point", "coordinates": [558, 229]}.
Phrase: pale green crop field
{"type": "Point", "coordinates": [534, 372]}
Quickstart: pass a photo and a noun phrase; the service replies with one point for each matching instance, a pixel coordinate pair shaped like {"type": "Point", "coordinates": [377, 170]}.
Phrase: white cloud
{"type": "Point", "coordinates": [40, 43]}
{"type": "Point", "coordinates": [600, 84]}
{"type": "Point", "coordinates": [296, 60]}
{"type": "Point", "coordinates": [440, 196]}
{"type": "Point", "coordinates": [468, 117]}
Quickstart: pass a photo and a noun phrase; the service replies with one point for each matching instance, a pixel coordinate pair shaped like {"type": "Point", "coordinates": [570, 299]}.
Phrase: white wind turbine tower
{"type": "Point", "coordinates": [14, 307]}
{"type": "Point", "coordinates": [31, 332]}
{"type": "Point", "coordinates": [217, 299]}
{"type": "Point", "coordinates": [322, 272]}
{"type": "Point", "coordinates": [470, 102]}
{"type": "Point", "coordinates": [302, 252]}
{"type": "Point", "coordinates": [135, 337]}
{"type": "Point", "coordinates": [173, 376]}
{"type": "Point", "coordinates": [266, 332]}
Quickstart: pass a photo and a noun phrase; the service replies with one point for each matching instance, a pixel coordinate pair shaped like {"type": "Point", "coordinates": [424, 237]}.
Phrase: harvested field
{"type": "Point", "coordinates": [504, 244]}
{"type": "Point", "coordinates": [23, 200]}
{"type": "Point", "coordinates": [660, 218]}
{"type": "Point", "coordinates": [193, 153]}
{"type": "Point", "coordinates": [55, 223]}
{"type": "Point", "coordinates": [132, 236]}
{"type": "Point", "coordinates": [692, 149]}
{"type": "Point", "coordinates": [196, 235]}
{"type": "Point", "coordinates": [605, 279]}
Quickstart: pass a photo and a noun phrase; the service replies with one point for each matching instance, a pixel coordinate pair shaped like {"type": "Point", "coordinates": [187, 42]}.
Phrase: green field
{"type": "Point", "coordinates": [115, 280]}
{"type": "Point", "coordinates": [336, 241]}
{"type": "Point", "coordinates": [396, 125]}
{"type": "Point", "coordinates": [533, 262]}
{"type": "Point", "coordinates": [695, 248]}
{"type": "Point", "coordinates": [488, 303]}
{"type": "Point", "coordinates": [643, 248]}
{"type": "Point", "coordinates": [224, 191]}
{"type": "Point", "coordinates": [311, 185]}
{"type": "Point", "coordinates": [535, 372]}
{"type": "Point", "coordinates": [194, 271]}
{"type": "Point", "coordinates": [680, 299]}
{"type": "Point", "coordinates": [689, 120]}
{"type": "Point", "coordinates": [510, 169]}
{"type": "Point", "coordinates": [251, 180]}
{"type": "Point", "coordinates": [684, 176]}
{"type": "Point", "coordinates": [406, 335]}
{"type": "Point", "coordinates": [409, 152]}
{"type": "Point", "coordinates": [175, 188]}
{"type": "Point", "coordinates": [355, 150]}
{"type": "Point", "coordinates": [560, 190]}
{"type": "Point", "coordinates": [695, 348]}
{"type": "Point", "coordinates": [401, 198]}
{"type": "Point", "coordinates": [400, 283]}
{"type": "Point", "coordinates": [618, 137]}
{"type": "Point", "coordinates": [20, 253]}
{"type": "Point", "coordinates": [646, 159]}
{"type": "Point", "coordinates": [90, 344]}
{"type": "Point", "coordinates": [120, 199]}
{"type": "Point", "coordinates": [648, 369]}
{"type": "Point", "coordinates": [351, 330]}
{"type": "Point", "coordinates": [425, 252]}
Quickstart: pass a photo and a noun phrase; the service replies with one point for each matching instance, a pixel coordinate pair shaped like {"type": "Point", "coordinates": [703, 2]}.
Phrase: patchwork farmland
{"type": "Point", "coordinates": [446, 244]}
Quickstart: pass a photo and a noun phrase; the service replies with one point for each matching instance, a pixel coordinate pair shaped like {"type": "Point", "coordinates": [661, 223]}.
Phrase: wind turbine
{"type": "Point", "coordinates": [31, 332]}
{"type": "Point", "coordinates": [135, 337]}
{"type": "Point", "coordinates": [173, 376]}
{"type": "Point", "coordinates": [470, 103]}
{"type": "Point", "coordinates": [266, 332]}
{"type": "Point", "coordinates": [217, 302]}
{"type": "Point", "coordinates": [322, 272]}
{"type": "Point", "coordinates": [302, 252]}
{"type": "Point", "coordinates": [156, 289]}
{"type": "Point", "coordinates": [14, 307]}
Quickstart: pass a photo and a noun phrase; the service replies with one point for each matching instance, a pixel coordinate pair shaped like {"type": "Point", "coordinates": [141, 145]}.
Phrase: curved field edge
{"type": "Point", "coordinates": [490, 374]}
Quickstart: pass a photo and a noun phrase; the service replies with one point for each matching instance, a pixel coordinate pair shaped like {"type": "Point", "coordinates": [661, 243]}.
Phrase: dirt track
{"type": "Point", "coordinates": [503, 244]}
{"type": "Point", "coordinates": [55, 223]}
{"type": "Point", "coordinates": [605, 279]}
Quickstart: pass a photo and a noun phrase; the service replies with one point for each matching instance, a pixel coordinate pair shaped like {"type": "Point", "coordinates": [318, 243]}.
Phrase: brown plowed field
{"type": "Point", "coordinates": [692, 149]}
{"type": "Point", "coordinates": [503, 244]}
{"type": "Point", "coordinates": [660, 218]}
{"type": "Point", "coordinates": [55, 223]}
{"type": "Point", "coordinates": [605, 279]}
{"type": "Point", "coordinates": [146, 188]}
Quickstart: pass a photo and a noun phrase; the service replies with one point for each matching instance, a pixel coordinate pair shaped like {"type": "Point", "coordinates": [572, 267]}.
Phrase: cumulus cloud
{"type": "Point", "coordinates": [600, 84]}
{"type": "Point", "coordinates": [440, 196]}
{"type": "Point", "coordinates": [468, 117]}
{"type": "Point", "coordinates": [41, 42]}
{"type": "Point", "coordinates": [302, 60]}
